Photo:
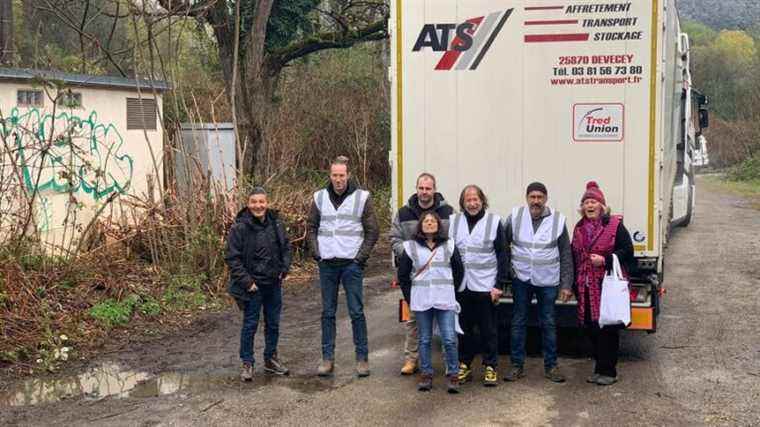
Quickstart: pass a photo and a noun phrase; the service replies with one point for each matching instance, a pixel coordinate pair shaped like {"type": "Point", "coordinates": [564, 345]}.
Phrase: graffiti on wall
{"type": "Point", "coordinates": [66, 153]}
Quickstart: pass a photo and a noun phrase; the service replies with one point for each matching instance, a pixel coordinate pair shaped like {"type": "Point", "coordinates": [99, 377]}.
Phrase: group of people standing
{"type": "Point", "coordinates": [452, 269]}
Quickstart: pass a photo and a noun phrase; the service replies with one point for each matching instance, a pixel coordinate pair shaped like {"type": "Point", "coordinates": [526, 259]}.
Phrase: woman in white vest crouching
{"type": "Point", "coordinates": [428, 272]}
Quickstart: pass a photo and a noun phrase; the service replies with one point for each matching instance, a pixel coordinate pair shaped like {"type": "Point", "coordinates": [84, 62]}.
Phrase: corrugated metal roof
{"type": "Point", "coordinates": [84, 79]}
{"type": "Point", "coordinates": [203, 126]}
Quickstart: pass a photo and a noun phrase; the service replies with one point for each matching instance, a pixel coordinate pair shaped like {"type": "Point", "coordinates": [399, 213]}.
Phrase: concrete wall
{"type": "Point", "coordinates": [107, 158]}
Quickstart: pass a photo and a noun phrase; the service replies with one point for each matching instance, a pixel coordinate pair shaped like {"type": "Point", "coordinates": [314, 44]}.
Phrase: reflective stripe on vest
{"type": "Point", "coordinates": [340, 233]}
{"type": "Point", "coordinates": [477, 251]}
{"type": "Point", "coordinates": [434, 286]}
{"type": "Point", "coordinates": [535, 255]}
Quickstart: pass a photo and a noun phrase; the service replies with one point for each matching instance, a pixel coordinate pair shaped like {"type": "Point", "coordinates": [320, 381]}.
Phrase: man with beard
{"type": "Point", "coordinates": [542, 265]}
{"type": "Point", "coordinates": [404, 227]}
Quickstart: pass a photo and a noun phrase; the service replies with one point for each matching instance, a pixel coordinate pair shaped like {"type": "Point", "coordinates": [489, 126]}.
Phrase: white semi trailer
{"type": "Point", "coordinates": [501, 93]}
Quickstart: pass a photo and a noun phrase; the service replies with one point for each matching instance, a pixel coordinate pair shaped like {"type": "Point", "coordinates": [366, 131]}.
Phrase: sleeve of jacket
{"type": "Point", "coordinates": [235, 258]}
{"type": "Point", "coordinates": [508, 244]}
{"type": "Point", "coordinates": [566, 269]}
{"type": "Point", "coordinates": [313, 229]}
{"type": "Point", "coordinates": [457, 268]}
{"type": "Point", "coordinates": [287, 250]}
{"type": "Point", "coordinates": [397, 236]}
{"type": "Point", "coordinates": [502, 258]}
{"type": "Point", "coordinates": [405, 275]}
{"type": "Point", "coordinates": [371, 233]}
{"type": "Point", "coordinates": [623, 250]}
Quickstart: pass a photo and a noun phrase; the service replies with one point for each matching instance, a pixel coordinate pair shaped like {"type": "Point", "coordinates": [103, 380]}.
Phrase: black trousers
{"type": "Point", "coordinates": [478, 312]}
{"type": "Point", "coordinates": [605, 344]}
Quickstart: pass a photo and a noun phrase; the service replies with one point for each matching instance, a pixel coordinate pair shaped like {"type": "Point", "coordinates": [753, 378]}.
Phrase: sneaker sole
{"type": "Point", "coordinates": [276, 372]}
{"type": "Point", "coordinates": [362, 375]}
{"type": "Point", "coordinates": [490, 383]}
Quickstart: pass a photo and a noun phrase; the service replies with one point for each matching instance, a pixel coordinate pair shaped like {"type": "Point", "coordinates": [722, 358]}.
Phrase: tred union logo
{"type": "Point", "coordinates": [466, 44]}
{"type": "Point", "coordinates": [598, 122]}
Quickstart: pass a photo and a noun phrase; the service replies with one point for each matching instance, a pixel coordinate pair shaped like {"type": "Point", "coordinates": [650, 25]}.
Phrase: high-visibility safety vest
{"type": "Point", "coordinates": [535, 255]}
{"type": "Point", "coordinates": [432, 287]}
{"type": "Point", "coordinates": [477, 251]}
{"type": "Point", "coordinates": [340, 233]}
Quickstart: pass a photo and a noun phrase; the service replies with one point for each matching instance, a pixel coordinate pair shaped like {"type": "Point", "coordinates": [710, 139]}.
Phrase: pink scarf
{"type": "Point", "coordinates": [591, 237]}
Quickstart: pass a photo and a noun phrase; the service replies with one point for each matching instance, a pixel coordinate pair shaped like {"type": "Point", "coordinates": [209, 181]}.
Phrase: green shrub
{"type": "Point", "coordinates": [149, 306]}
{"type": "Point", "coordinates": [747, 170]}
{"type": "Point", "coordinates": [113, 313]}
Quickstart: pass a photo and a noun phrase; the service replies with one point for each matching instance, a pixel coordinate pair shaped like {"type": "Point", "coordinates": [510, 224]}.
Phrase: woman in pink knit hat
{"type": "Point", "coordinates": [597, 236]}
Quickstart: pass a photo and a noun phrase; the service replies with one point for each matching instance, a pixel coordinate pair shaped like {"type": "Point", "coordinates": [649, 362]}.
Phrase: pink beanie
{"type": "Point", "coordinates": [593, 192]}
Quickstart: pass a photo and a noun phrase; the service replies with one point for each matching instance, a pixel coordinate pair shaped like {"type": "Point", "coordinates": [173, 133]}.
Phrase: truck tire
{"type": "Point", "coordinates": [690, 203]}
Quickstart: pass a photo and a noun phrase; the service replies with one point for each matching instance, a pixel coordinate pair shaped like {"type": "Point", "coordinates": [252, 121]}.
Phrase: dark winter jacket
{"type": "Point", "coordinates": [257, 252]}
{"type": "Point", "coordinates": [369, 223]}
{"type": "Point", "coordinates": [404, 225]}
{"type": "Point", "coordinates": [406, 267]}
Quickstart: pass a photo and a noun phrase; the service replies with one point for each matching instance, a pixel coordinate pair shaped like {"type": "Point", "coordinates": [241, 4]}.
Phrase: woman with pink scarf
{"type": "Point", "coordinates": [598, 236]}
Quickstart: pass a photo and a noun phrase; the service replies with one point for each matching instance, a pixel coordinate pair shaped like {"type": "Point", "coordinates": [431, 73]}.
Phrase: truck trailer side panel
{"type": "Point", "coordinates": [503, 93]}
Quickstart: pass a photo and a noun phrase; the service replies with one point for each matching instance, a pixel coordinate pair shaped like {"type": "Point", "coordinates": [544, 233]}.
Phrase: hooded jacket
{"type": "Point", "coordinates": [257, 252]}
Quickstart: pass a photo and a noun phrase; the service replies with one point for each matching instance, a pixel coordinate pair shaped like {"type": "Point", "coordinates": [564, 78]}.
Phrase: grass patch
{"type": "Point", "coordinates": [114, 313]}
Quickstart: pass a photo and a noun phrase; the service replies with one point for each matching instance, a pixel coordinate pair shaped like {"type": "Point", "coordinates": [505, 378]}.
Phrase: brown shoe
{"type": "Point", "coordinates": [426, 382]}
{"type": "Point", "coordinates": [246, 374]}
{"type": "Point", "coordinates": [453, 385]}
{"type": "Point", "coordinates": [410, 367]}
{"type": "Point", "coordinates": [362, 368]}
{"type": "Point", "coordinates": [325, 368]}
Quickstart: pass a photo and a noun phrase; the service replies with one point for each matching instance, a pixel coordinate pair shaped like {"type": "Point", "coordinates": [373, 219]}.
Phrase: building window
{"type": "Point", "coordinates": [70, 99]}
{"type": "Point", "coordinates": [29, 98]}
{"type": "Point", "coordinates": [141, 113]}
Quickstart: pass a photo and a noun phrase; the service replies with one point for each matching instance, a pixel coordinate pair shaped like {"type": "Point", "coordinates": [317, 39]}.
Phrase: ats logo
{"type": "Point", "coordinates": [466, 44]}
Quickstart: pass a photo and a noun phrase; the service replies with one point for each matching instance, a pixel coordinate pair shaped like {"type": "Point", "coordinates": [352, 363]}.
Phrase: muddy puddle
{"type": "Point", "coordinates": [113, 381]}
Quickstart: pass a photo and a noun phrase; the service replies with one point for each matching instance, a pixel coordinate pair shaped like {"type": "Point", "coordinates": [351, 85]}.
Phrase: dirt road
{"type": "Point", "coordinates": [702, 367]}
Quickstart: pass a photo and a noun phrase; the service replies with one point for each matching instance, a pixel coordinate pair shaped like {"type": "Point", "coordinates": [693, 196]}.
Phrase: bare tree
{"type": "Point", "coordinates": [257, 39]}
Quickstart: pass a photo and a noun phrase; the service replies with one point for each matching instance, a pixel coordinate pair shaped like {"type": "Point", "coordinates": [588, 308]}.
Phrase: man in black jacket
{"type": "Point", "coordinates": [258, 256]}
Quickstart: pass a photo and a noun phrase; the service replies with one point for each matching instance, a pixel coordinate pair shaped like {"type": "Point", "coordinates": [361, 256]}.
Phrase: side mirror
{"type": "Point", "coordinates": [704, 118]}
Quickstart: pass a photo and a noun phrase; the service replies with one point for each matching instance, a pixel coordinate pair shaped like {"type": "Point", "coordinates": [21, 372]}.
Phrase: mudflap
{"type": "Point", "coordinates": [570, 339]}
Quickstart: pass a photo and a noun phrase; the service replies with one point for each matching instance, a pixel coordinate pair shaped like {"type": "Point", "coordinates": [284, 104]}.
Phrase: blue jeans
{"type": "Point", "coordinates": [522, 293]}
{"type": "Point", "coordinates": [445, 319]}
{"type": "Point", "coordinates": [270, 297]}
{"type": "Point", "coordinates": [352, 278]}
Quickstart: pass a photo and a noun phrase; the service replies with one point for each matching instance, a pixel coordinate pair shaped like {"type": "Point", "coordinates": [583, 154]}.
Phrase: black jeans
{"type": "Point", "coordinates": [605, 344]}
{"type": "Point", "coordinates": [478, 311]}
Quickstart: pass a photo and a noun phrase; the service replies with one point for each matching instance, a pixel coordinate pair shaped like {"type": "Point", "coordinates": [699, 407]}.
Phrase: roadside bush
{"type": "Point", "coordinates": [114, 313]}
{"type": "Point", "coordinates": [748, 170]}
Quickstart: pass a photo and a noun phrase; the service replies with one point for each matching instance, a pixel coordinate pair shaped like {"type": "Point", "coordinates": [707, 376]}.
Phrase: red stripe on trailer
{"type": "Point", "coordinates": [544, 7]}
{"type": "Point", "coordinates": [555, 22]}
{"type": "Point", "coordinates": [548, 38]}
{"type": "Point", "coordinates": [450, 57]}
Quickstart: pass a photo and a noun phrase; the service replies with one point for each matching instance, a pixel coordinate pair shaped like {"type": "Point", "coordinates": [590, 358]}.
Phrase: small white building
{"type": "Point", "coordinates": [76, 142]}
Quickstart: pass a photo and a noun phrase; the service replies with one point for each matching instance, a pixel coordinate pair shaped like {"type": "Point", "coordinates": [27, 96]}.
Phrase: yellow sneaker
{"type": "Point", "coordinates": [490, 379]}
{"type": "Point", "coordinates": [465, 373]}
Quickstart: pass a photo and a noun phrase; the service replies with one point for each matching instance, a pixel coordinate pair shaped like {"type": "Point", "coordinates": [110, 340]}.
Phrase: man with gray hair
{"type": "Point", "coordinates": [404, 227]}
{"type": "Point", "coordinates": [342, 231]}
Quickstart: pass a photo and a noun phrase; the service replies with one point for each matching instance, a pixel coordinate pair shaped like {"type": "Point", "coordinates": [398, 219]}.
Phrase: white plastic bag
{"type": "Point", "coordinates": [616, 299]}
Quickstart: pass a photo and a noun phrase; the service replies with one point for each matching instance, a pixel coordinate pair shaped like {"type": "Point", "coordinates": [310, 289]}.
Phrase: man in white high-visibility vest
{"type": "Point", "coordinates": [479, 238]}
{"type": "Point", "coordinates": [342, 231]}
{"type": "Point", "coordinates": [542, 265]}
